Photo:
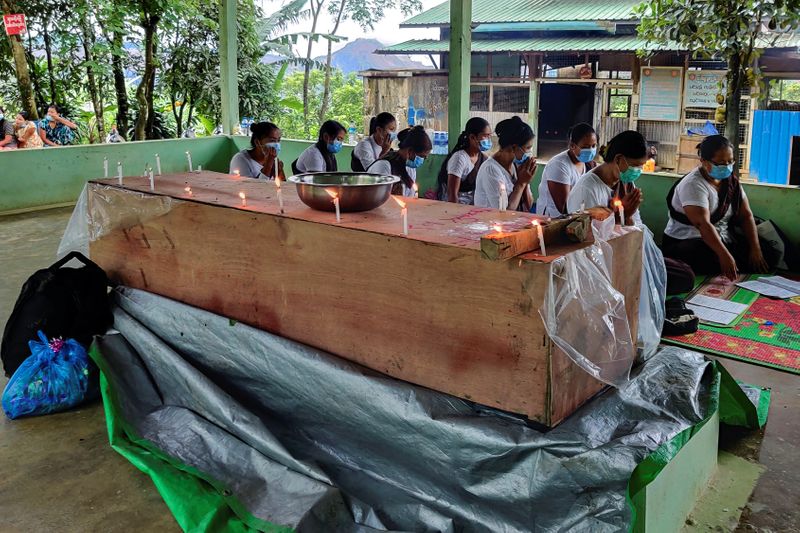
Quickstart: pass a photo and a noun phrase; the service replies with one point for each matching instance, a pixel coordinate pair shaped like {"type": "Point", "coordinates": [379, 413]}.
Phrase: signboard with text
{"type": "Point", "coordinates": [660, 93]}
{"type": "Point", "coordinates": [15, 24]}
{"type": "Point", "coordinates": [702, 87]}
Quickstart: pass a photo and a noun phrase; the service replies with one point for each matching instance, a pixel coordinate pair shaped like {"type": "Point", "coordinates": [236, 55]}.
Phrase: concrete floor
{"type": "Point", "coordinates": [60, 474]}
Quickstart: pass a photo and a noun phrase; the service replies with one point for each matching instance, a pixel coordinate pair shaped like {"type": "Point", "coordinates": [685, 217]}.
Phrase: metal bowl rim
{"type": "Point", "coordinates": [297, 179]}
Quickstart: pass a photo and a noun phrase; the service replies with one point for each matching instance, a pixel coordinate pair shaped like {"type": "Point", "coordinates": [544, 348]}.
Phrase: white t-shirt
{"type": "Point", "coordinates": [461, 165]}
{"type": "Point", "coordinates": [560, 169]}
{"type": "Point", "coordinates": [591, 191]}
{"type": "Point", "coordinates": [487, 185]}
{"type": "Point", "coordinates": [382, 166]}
{"type": "Point", "coordinates": [367, 151]}
{"type": "Point", "coordinates": [696, 191]}
{"type": "Point", "coordinates": [249, 167]}
{"type": "Point", "coordinates": [311, 160]}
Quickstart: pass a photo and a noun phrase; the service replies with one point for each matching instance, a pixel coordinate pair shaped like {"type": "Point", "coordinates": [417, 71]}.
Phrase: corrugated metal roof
{"type": "Point", "coordinates": [487, 11]}
{"type": "Point", "coordinates": [559, 44]}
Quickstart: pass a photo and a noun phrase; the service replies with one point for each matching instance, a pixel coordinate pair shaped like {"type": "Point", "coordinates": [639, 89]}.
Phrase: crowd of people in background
{"type": "Point", "coordinates": [20, 131]}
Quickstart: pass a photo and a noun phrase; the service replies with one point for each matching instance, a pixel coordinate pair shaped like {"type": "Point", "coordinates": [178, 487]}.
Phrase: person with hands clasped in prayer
{"type": "Point", "coordinates": [705, 208]}
{"type": "Point", "coordinates": [508, 173]}
{"type": "Point", "coordinates": [261, 159]}
{"type": "Point", "coordinates": [613, 180]}
{"type": "Point", "coordinates": [382, 133]}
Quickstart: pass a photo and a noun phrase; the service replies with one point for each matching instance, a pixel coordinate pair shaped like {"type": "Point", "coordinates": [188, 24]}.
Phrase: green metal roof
{"type": "Point", "coordinates": [489, 11]}
{"type": "Point", "coordinates": [532, 44]}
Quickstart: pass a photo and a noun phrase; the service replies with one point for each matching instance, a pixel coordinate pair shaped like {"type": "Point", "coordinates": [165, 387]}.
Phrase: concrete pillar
{"type": "Point", "coordinates": [228, 67]}
{"type": "Point", "coordinates": [458, 77]}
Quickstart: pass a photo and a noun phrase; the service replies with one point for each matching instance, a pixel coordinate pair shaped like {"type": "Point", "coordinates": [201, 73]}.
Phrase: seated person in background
{"type": "Point", "coordinates": [613, 180]}
{"type": "Point", "coordinates": [460, 169]}
{"type": "Point", "coordinates": [7, 138]}
{"type": "Point", "coordinates": [382, 132]}
{"type": "Point", "coordinates": [321, 157]}
{"type": "Point", "coordinates": [55, 130]}
{"type": "Point", "coordinates": [27, 132]}
{"type": "Point", "coordinates": [563, 171]}
{"type": "Point", "coordinates": [510, 170]}
{"type": "Point", "coordinates": [413, 148]}
{"type": "Point", "coordinates": [261, 159]}
{"type": "Point", "coordinates": [114, 135]}
{"type": "Point", "coordinates": [703, 207]}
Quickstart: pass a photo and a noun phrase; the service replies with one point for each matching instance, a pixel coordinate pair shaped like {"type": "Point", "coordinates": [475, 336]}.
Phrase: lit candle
{"type": "Point", "coordinates": [335, 196]}
{"type": "Point", "coordinates": [105, 167]}
{"type": "Point", "coordinates": [540, 234]}
{"type": "Point", "coordinates": [243, 196]}
{"type": "Point", "coordinates": [583, 207]}
{"type": "Point", "coordinates": [503, 199]}
{"type": "Point", "coordinates": [416, 190]}
{"type": "Point", "coordinates": [199, 168]}
{"type": "Point", "coordinates": [621, 209]}
{"type": "Point", "coordinates": [152, 182]}
{"type": "Point", "coordinates": [236, 173]}
{"type": "Point", "coordinates": [189, 158]}
{"type": "Point", "coordinates": [188, 190]}
{"type": "Point", "coordinates": [403, 213]}
{"type": "Point", "coordinates": [498, 228]}
{"type": "Point", "coordinates": [119, 171]}
{"type": "Point", "coordinates": [280, 193]}
{"type": "Point", "coordinates": [158, 164]}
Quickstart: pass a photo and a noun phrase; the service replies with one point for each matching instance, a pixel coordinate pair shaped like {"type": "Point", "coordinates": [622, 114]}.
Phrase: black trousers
{"type": "Point", "coordinates": [697, 254]}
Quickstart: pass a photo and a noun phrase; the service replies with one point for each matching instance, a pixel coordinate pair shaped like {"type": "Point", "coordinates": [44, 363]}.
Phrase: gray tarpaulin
{"type": "Point", "coordinates": [308, 440]}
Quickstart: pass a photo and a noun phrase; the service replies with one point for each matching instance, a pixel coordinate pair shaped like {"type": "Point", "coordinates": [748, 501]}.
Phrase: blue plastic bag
{"type": "Point", "coordinates": [54, 378]}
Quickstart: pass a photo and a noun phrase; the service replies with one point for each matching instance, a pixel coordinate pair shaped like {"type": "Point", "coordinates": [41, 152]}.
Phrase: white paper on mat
{"type": "Point", "coordinates": [712, 315]}
{"type": "Point", "coordinates": [780, 281]}
{"type": "Point", "coordinates": [767, 289]}
{"type": "Point", "coordinates": [718, 304]}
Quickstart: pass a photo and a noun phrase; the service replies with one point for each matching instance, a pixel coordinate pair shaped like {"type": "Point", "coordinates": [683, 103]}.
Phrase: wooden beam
{"type": "Point", "coordinates": [501, 246]}
{"type": "Point", "coordinates": [460, 67]}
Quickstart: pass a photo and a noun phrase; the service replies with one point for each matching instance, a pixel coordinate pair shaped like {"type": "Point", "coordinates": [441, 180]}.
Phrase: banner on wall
{"type": "Point", "coordinates": [702, 87]}
{"type": "Point", "coordinates": [660, 93]}
{"type": "Point", "coordinates": [15, 24]}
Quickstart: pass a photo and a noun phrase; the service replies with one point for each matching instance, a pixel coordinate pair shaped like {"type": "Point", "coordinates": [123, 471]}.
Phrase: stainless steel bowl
{"type": "Point", "coordinates": [356, 191]}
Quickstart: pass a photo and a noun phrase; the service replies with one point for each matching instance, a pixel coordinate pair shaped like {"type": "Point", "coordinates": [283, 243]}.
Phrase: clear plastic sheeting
{"type": "Point", "coordinates": [653, 295]}
{"type": "Point", "coordinates": [109, 211]}
{"type": "Point", "coordinates": [584, 314]}
{"type": "Point", "coordinates": [301, 438]}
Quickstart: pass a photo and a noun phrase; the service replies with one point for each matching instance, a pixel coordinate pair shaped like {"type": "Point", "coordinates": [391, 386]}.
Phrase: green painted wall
{"type": "Point", "coordinates": [31, 179]}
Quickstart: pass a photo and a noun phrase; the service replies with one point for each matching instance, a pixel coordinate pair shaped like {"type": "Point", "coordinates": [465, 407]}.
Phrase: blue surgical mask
{"type": "Point", "coordinates": [630, 174]}
{"type": "Point", "coordinates": [392, 136]}
{"type": "Point", "coordinates": [276, 146]}
{"type": "Point", "coordinates": [335, 147]}
{"type": "Point", "coordinates": [416, 162]}
{"type": "Point", "coordinates": [485, 145]}
{"type": "Point", "coordinates": [587, 155]}
{"type": "Point", "coordinates": [525, 157]}
{"type": "Point", "coordinates": [721, 172]}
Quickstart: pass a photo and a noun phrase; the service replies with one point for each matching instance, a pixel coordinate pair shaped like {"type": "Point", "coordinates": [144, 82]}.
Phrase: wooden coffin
{"type": "Point", "coordinates": [427, 308]}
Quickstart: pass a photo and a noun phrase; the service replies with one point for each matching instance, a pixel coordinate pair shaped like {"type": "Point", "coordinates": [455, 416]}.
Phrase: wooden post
{"type": "Point", "coordinates": [533, 100]}
{"type": "Point", "coordinates": [458, 78]}
{"type": "Point", "coordinates": [636, 75]}
{"type": "Point", "coordinates": [228, 68]}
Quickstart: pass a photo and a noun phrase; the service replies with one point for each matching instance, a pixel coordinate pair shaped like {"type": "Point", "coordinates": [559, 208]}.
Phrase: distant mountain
{"type": "Point", "coordinates": [359, 55]}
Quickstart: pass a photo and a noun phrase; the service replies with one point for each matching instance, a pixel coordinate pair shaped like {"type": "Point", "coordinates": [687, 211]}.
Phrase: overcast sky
{"type": "Point", "coordinates": [387, 32]}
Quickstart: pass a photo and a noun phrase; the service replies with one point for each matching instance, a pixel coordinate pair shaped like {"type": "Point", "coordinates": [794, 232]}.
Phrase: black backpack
{"type": "Point", "coordinates": [61, 302]}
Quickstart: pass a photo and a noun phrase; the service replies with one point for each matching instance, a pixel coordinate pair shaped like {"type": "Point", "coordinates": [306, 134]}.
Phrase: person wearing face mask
{"type": "Point", "coordinates": [510, 170]}
{"type": "Point", "coordinates": [321, 157]}
{"type": "Point", "coordinates": [459, 170]}
{"type": "Point", "coordinates": [27, 132]}
{"type": "Point", "coordinates": [55, 129]}
{"type": "Point", "coordinates": [414, 146]}
{"type": "Point", "coordinates": [563, 171]}
{"type": "Point", "coordinates": [704, 207]}
{"type": "Point", "coordinates": [382, 133]}
{"type": "Point", "coordinates": [261, 159]}
{"type": "Point", "coordinates": [613, 180]}
{"type": "Point", "coordinates": [8, 140]}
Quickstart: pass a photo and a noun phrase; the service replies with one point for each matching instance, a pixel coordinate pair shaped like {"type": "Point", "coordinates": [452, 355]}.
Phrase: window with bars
{"type": "Point", "coordinates": [619, 102]}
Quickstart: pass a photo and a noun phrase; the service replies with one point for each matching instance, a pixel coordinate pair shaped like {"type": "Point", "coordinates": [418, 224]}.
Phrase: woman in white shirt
{"type": "Point", "coordinates": [321, 156]}
{"type": "Point", "coordinates": [382, 132]}
{"type": "Point", "coordinates": [702, 205]}
{"type": "Point", "coordinates": [460, 169]}
{"type": "Point", "coordinates": [563, 171]}
{"type": "Point", "coordinates": [613, 180]}
{"type": "Point", "coordinates": [413, 148]}
{"type": "Point", "coordinates": [261, 159]}
{"type": "Point", "coordinates": [506, 176]}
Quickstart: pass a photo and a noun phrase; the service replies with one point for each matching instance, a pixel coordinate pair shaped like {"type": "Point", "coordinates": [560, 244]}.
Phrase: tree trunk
{"type": "Point", "coordinates": [151, 89]}
{"type": "Point", "coordinates": [88, 55]}
{"type": "Point", "coordinates": [31, 59]}
{"type": "Point", "coordinates": [316, 8]}
{"type": "Point", "coordinates": [323, 108]}
{"type": "Point", "coordinates": [144, 95]}
{"type": "Point", "coordinates": [123, 107]}
{"type": "Point", "coordinates": [48, 50]}
{"type": "Point", "coordinates": [736, 78]}
{"type": "Point", "coordinates": [21, 65]}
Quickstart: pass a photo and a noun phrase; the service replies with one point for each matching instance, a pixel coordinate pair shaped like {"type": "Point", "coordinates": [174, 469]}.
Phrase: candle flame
{"type": "Point", "coordinates": [617, 203]}
{"type": "Point", "coordinates": [277, 182]}
{"type": "Point", "coordinates": [332, 194]}
{"type": "Point", "coordinates": [236, 172]}
{"type": "Point", "coordinates": [242, 195]}
{"type": "Point", "coordinates": [188, 189]}
{"type": "Point", "coordinates": [535, 222]}
{"type": "Point", "coordinates": [415, 187]}
{"type": "Point", "coordinates": [400, 202]}
{"type": "Point", "coordinates": [498, 228]}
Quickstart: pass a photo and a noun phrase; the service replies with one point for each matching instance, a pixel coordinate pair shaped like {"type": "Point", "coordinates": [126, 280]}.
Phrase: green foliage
{"type": "Point", "coordinates": [347, 97]}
